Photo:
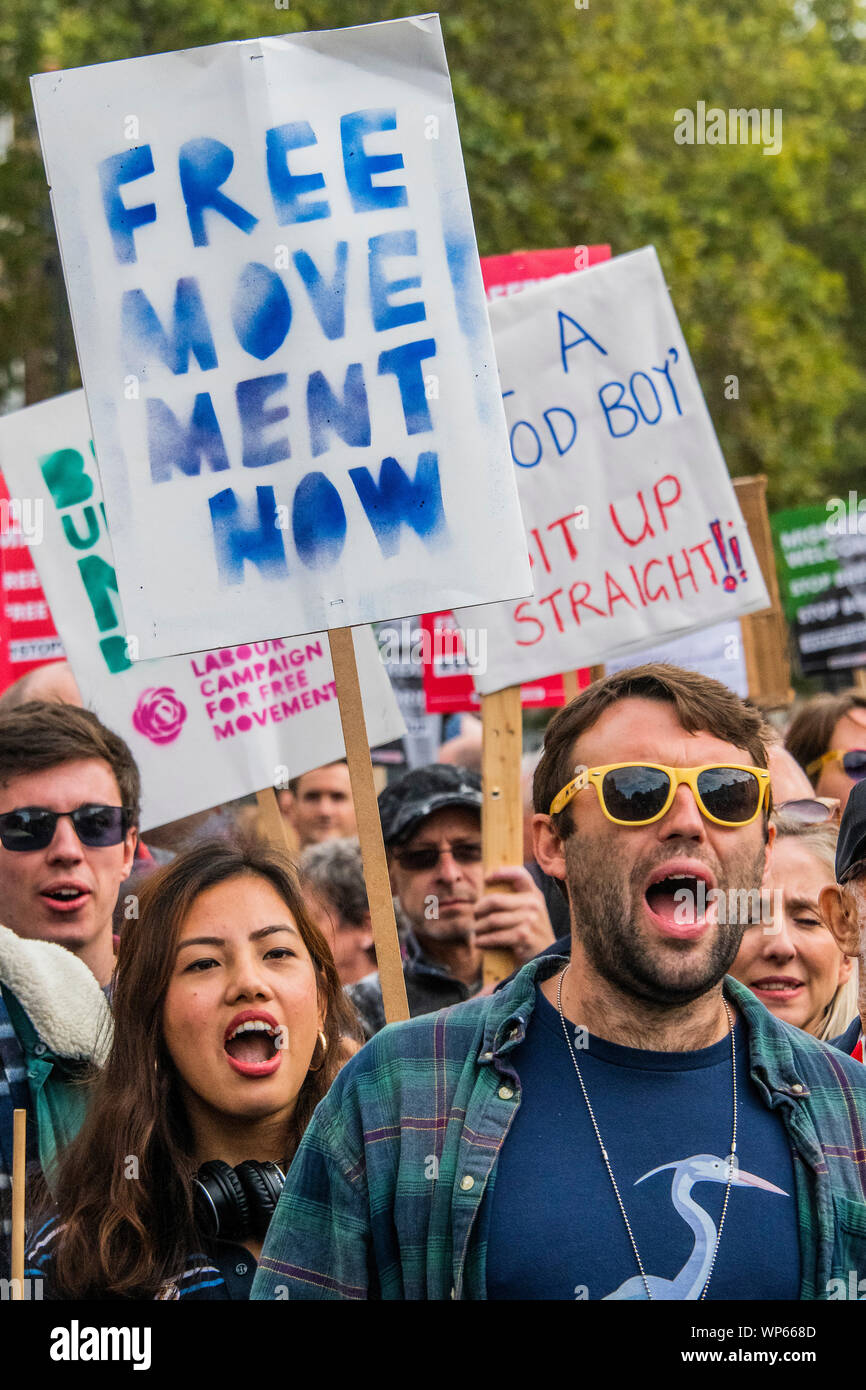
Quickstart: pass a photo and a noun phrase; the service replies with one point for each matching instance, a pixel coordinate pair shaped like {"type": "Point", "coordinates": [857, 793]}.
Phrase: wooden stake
{"type": "Point", "coordinates": [570, 686]}
{"type": "Point", "coordinates": [19, 1160]}
{"type": "Point", "coordinates": [379, 897]}
{"type": "Point", "coordinates": [765, 634]}
{"type": "Point", "coordinates": [597, 673]}
{"type": "Point", "coordinates": [502, 812]}
{"type": "Point", "coordinates": [274, 822]}
{"type": "Point", "coordinates": [860, 678]}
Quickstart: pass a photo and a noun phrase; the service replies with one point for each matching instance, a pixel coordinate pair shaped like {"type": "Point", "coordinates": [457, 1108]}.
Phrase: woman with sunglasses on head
{"type": "Point", "coordinates": [230, 1025]}
{"type": "Point", "coordinates": [792, 963]}
{"type": "Point", "coordinates": [828, 739]}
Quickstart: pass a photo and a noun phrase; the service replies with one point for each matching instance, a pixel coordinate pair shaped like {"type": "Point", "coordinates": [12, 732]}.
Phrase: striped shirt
{"type": "Point", "coordinates": [384, 1196]}
{"type": "Point", "coordinates": [226, 1271]}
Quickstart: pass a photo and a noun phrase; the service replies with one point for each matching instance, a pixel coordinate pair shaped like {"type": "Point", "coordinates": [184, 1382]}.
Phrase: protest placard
{"type": "Point", "coordinates": [631, 519]}
{"type": "Point", "coordinates": [28, 637]}
{"type": "Point", "coordinates": [448, 669]}
{"type": "Point", "coordinates": [280, 319]}
{"type": "Point", "coordinates": [205, 728]}
{"type": "Point", "coordinates": [821, 564]}
{"type": "Point", "coordinates": [517, 270]}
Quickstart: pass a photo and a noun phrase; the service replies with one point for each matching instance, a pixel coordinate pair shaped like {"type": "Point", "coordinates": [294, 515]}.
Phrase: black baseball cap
{"type": "Point", "coordinates": [851, 845]}
{"type": "Point", "coordinates": [406, 803]}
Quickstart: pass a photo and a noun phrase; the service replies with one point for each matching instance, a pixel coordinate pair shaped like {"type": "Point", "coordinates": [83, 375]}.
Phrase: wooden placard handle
{"type": "Point", "coordinates": [502, 812]}
{"type": "Point", "coordinates": [19, 1162]}
{"type": "Point", "coordinates": [385, 939]}
{"type": "Point", "coordinates": [765, 634]}
{"type": "Point", "coordinates": [274, 822]}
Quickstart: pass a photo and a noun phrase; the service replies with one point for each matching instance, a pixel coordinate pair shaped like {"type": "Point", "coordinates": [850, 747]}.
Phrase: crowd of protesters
{"type": "Point", "coordinates": [216, 1108]}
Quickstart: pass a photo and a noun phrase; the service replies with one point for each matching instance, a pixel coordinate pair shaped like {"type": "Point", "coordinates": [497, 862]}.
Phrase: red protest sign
{"type": "Point", "coordinates": [447, 667]}
{"type": "Point", "coordinates": [28, 637]}
{"type": "Point", "coordinates": [508, 274]}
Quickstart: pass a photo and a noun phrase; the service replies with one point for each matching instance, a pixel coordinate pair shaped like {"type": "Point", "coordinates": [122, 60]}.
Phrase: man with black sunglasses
{"type": "Point", "coordinates": [626, 1123]}
{"type": "Point", "coordinates": [431, 825]}
{"type": "Point", "coordinates": [69, 806]}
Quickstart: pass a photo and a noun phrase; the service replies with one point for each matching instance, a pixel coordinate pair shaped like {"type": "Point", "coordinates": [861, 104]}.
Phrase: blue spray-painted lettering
{"type": "Point", "coordinates": [328, 297]}
{"type": "Point", "coordinates": [260, 541]}
{"type": "Point", "coordinates": [255, 419]}
{"type": "Point", "coordinates": [349, 417]}
{"type": "Point", "coordinates": [360, 166]}
{"type": "Point", "coordinates": [405, 362]}
{"type": "Point", "coordinates": [122, 221]}
{"type": "Point", "coordinates": [172, 445]}
{"type": "Point", "coordinates": [204, 165]}
{"type": "Point", "coordinates": [397, 498]}
{"type": "Point", "coordinates": [585, 337]}
{"type": "Point", "coordinates": [288, 189]}
{"type": "Point", "coordinates": [385, 314]}
{"type": "Point", "coordinates": [615, 405]}
{"type": "Point", "coordinates": [143, 333]}
{"type": "Point", "coordinates": [318, 522]}
{"type": "Point", "coordinates": [261, 310]}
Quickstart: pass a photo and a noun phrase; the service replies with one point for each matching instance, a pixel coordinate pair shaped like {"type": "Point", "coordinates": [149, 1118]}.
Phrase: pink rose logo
{"type": "Point", "coordinates": [159, 714]}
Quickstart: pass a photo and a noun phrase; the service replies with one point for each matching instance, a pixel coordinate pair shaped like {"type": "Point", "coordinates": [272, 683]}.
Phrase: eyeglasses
{"type": "Point", "coordinates": [640, 793]}
{"type": "Point", "coordinates": [816, 810]}
{"type": "Point", "coordinates": [464, 852]}
{"type": "Point", "coordinates": [854, 871]}
{"type": "Point", "coordinates": [853, 761]}
{"type": "Point", "coordinates": [33, 827]}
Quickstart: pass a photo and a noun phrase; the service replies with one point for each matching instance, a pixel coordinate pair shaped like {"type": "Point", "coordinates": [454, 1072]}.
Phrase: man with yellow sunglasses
{"type": "Point", "coordinates": [619, 1122]}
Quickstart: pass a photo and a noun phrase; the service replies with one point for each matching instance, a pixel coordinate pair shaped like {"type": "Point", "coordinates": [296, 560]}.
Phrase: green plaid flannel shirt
{"type": "Point", "coordinates": [384, 1194]}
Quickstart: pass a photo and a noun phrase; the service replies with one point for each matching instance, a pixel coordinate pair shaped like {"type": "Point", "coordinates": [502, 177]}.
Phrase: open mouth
{"type": "Point", "coordinates": [778, 987]}
{"type": "Point", "coordinates": [251, 1047]}
{"type": "Point", "coordinates": [677, 902]}
{"type": "Point", "coordinates": [66, 898]}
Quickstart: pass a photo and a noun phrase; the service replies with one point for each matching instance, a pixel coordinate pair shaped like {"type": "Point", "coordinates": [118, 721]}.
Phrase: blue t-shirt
{"type": "Point", "coordinates": [554, 1226]}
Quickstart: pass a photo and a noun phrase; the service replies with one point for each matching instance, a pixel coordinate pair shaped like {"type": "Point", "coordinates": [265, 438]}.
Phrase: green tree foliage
{"type": "Point", "coordinates": [567, 117]}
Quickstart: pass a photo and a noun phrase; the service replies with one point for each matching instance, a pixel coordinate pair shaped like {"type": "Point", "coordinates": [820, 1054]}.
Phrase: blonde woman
{"type": "Point", "coordinates": [793, 964]}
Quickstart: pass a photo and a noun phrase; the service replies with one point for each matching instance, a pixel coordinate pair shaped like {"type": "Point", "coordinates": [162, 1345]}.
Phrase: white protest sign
{"type": "Point", "coordinates": [715, 651]}
{"type": "Point", "coordinates": [633, 526]}
{"type": "Point", "coordinates": [206, 728]}
{"type": "Point", "coordinates": [282, 330]}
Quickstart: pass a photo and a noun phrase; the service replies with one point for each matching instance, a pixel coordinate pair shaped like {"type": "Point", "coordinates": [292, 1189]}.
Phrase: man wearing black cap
{"type": "Point", "coordinates": [843, 905]}
{"type": "Point", "coordinates": [431, 825]}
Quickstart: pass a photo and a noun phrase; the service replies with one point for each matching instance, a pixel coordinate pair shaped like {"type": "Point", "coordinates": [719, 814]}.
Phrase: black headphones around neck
{"type": "Point", "coordinates": [236, 1203]}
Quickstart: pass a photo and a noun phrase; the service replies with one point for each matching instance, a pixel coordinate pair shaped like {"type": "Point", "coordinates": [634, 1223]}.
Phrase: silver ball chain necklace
{"type": "Point", "coordinates": [732, 1157]}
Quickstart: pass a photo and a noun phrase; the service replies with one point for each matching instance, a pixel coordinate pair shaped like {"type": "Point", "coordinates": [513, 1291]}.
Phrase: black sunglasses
{"type": "Point", "coordinates": [416, 860]}
{"type": "Point", "coordinates": [33, 827]}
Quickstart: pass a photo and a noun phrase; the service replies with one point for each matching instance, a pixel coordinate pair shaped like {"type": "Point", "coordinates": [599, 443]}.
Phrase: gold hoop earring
{"type": "Point", "coordinates": [324, 1045]}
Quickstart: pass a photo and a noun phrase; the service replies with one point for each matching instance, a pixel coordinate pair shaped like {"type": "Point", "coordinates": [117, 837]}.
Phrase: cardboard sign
{"type": "Point", "coordinates": [28, 637]}
{"type": "Point", "coordinates": [631, 519]}
{"type": "Point", "coordinates": [714, 651]}
{"type": "Point", "coordinates": [821, 566]}
{"type": "Point", "coordinates": [516, 271]}
{"type": "Point", "coordinates": [448, 669]}
{"type": "Point", "coordinates": [282, 333]}
{"type": "Point", "coordinates": [205, 728]}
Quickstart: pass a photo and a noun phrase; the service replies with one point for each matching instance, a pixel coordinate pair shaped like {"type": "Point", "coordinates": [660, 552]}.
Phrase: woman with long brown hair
{"type": "Point", "coordinates": [229, 1027]}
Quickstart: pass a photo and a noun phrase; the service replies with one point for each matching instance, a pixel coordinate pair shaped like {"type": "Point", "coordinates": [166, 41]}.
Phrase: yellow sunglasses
{"type": "Point", "coordinates": [640, 793]}
{"type": "Point", "coordinates": [853, 761]}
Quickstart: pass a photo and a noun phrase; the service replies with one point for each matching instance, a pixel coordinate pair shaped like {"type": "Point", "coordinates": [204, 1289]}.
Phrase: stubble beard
{"type": "Point", "coordinates": [607, 911]}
